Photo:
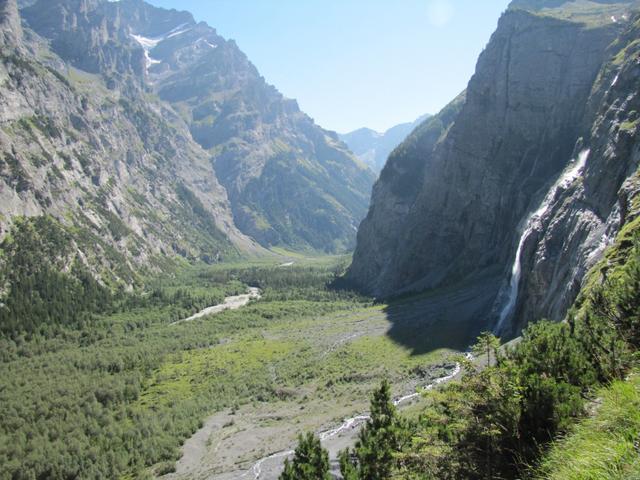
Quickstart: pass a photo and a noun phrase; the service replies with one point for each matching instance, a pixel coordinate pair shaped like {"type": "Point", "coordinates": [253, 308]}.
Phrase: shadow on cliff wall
{"type": "Point", "coordinates": [446, 318]}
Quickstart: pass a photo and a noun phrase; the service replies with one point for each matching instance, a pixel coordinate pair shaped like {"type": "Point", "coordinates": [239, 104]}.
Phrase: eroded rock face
{"type": "Point", "coordinates": [587, 216]}
{"type": "Point", "coordinates": [531, 106]}
{"type": "Point", "coordinates": [289, 182]}
{"type": "Point", "coordinates": [82, 33]}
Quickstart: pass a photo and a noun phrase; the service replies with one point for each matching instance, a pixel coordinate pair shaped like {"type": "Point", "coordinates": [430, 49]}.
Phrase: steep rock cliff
{"type": "Point", "coordinates": [10, 27]}
{"type": "Point", "coordinates": [381, 233]}
{"type": "Point", "coordinates": [586, 217]}
{"type": "Point", "coordinates": [528, 104]}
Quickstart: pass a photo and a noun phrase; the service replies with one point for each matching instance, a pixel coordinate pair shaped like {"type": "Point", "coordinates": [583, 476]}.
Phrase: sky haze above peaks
{"type": "Point", "coordinates": [357, 63]}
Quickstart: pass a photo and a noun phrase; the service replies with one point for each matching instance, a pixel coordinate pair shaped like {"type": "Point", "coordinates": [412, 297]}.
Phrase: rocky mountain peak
{"type": "Point", "coordinates": [191, 130]}
{"type": "Point", "coordinates": [146, 20]}
{"type": "Point", "coordinates": [373, 148]}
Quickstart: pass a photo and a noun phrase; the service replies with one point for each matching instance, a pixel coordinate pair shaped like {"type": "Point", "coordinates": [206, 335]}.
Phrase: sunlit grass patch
{"type": "Point", "coordinates": [222, 369]}
{"type": "Point", "coordinates": [370, 357]}
{"type": "Point", "coordinates": [606, 446]}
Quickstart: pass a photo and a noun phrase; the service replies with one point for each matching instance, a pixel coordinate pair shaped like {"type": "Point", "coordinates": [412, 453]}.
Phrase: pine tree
{"type": "Point", "coordinates": [486, 344]}
{"type": "Point", "coordinates": [310, 461]}
{"type": "Point", "coordinates": [379, 441]}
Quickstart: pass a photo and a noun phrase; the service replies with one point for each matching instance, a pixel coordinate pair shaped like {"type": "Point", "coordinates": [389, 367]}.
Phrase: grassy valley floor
{"type": "Point", "coordinates": [319, 369]}
{"type": "Point", "coordinates": [119, 398]}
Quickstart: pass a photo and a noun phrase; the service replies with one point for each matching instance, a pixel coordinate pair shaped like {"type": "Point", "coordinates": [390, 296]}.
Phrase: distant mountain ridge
{"type": "Point", "coordinates": [373, 148]}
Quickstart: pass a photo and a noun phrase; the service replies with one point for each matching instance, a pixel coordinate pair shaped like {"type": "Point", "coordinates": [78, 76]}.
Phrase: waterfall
{"type": "Point", "coordinates": [564, 181]}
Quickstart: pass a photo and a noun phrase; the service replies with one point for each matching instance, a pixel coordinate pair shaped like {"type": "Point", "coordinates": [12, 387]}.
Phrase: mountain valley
{"type": "Point", "coordinates": [197, 281]}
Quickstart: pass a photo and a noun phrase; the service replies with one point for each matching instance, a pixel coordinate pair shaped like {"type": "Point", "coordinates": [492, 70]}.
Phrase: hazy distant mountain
{"type": "Point", "coordinates": [373, 148]}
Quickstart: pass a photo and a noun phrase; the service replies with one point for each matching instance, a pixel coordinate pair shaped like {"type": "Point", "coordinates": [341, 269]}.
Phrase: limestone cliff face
{"type": "Point", "coordinates": [585, 217]}
{"type": "Point", "coordinates": [81, 33]}
{"type": "Point", "coordinates": [528, 104]}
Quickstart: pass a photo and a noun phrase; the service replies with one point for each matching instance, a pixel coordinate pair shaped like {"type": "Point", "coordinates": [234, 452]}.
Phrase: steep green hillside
{"type": "Point", "coordinates": [47, 287]}
{"type": "Point", "coordinates": [605, 446]}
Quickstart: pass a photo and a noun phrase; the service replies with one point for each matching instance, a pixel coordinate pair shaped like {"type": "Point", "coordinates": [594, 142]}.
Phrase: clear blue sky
{"type": "Point", "coordinates": [357, 63]}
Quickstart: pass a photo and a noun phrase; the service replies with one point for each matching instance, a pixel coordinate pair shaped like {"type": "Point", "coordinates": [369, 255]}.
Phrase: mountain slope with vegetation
{"type": "Point", "coordinates": [95, 135]}
{"type": "Point", "coordinates": [289, 182]}
{"type": "Point", "coordinates": [118, 170]}
{"type": "Point", "coordinates": [561, 403]}
{"type": "Point", "coordinates": [603, 446]}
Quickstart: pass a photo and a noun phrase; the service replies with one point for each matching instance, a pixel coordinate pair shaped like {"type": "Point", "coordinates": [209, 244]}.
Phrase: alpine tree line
{"type": "Point", "coordinates": [45, 288]}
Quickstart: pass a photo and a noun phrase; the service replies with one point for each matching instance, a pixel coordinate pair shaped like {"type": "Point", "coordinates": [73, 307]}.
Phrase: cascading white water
{"type": "Point", "coordinates": [564, 181]}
